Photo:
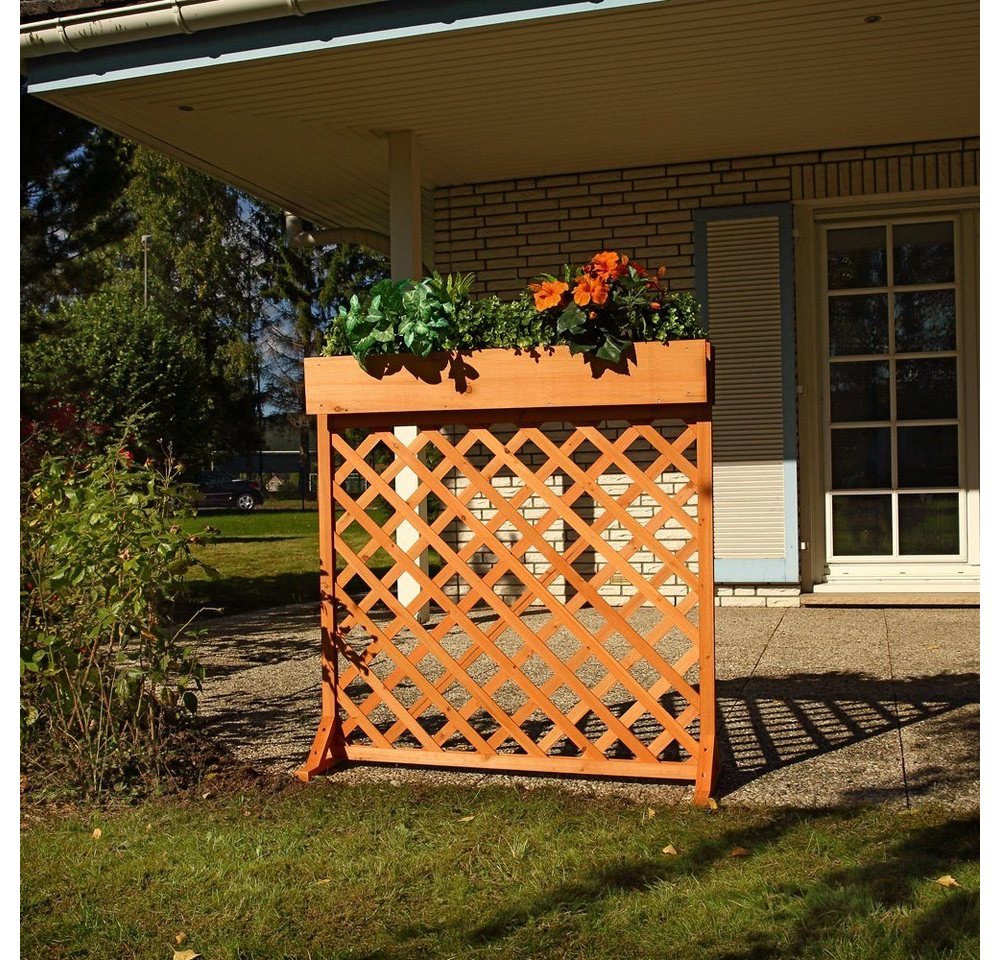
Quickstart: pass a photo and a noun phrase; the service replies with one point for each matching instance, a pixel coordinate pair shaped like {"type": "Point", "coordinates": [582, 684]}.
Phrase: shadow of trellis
{"type": "Point", "coordinates": [774, 722]}
{"type": "Point", "coordinates": [769, 723]}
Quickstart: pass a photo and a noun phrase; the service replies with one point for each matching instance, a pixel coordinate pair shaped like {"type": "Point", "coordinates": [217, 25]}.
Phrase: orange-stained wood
{"type": "Point", "coordinates": [398, 690]}
{"type": "Point", "coordinates": [657, 374]}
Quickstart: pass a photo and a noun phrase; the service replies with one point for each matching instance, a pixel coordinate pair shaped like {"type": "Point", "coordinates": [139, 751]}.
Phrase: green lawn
{"type": "Point", "coordinates": [270, 557]}
{"type": "Point", "coordinates": [330, 871]}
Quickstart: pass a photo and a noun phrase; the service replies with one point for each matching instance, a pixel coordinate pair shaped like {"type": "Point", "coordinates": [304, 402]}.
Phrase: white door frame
{"type": "Point", "coordinates": [810, 217]}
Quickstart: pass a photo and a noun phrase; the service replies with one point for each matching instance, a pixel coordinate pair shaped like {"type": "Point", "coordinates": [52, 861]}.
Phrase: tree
{"type": "Point", "coordinates": [72, 173]}
{"type": "Point", "coordinates": [306, 288]}
{"type": "Point", "coordinates": [113, 361]}
{"type": "Point", "coordinates": [204, 284]}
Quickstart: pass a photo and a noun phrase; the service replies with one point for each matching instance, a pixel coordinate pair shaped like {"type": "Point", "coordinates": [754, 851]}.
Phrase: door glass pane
{"type": "Point", "coordinates": [862, 458]}
{"type": "Point", "coordinates": [859, 391]}
{"type": "Point", "coordinates": [923, 252]}
{"type": "Point", "coordinates": [928, 524]}
{"type": "Point", "coordinates": [925, 320]}
{"type": "Point", "coordinates": [927, 389]}
{"type": "Point", "coordinates": [859, 325]}
{"type": "Point", "coordinates": [862, 525]}
{"type": "Point", "coordinates": [928, 456]}
{"type": "Point", "coordinates": [855, 258]}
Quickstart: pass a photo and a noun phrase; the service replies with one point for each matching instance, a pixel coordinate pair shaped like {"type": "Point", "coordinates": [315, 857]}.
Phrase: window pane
{"type": "Point", "coordinates": [862, 525]}
{"type": "Point", "coordinates": [862, 458]}
{"type": "Point", "coordinates": [923, 252]}
{"type": "Point", "coordinates": [855, 258]}
{"type": "Point", "coordinates": [928, 524]}
{"type": "Point", "coordinates": [926, 389]}
{"type": "Point", "coordinates": [859, 391]}
{"type": "Point", "coordinates": [928, 456]}
{"type": "Point", "coordinates": [925, 321]}
{"type": "Point", "coordinates": [859, 325]}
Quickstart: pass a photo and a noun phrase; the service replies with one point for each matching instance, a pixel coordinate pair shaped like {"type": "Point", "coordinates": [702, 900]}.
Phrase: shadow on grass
{"type": "Point", "coordinates": [880, 896]}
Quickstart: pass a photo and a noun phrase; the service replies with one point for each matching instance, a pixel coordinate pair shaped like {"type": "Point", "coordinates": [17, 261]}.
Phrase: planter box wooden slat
{"type": "Point", "coordinates": [678, 372]}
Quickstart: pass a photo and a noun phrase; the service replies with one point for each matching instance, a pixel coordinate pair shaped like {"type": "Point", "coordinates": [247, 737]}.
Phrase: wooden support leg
{"type": "Point", "coordinates": [326, 752]}
{"type": "Point", "coordinates": [328, 746]}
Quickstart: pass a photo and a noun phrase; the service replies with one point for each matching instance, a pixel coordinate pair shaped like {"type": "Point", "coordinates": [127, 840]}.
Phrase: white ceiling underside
{"type": "Point", "coordinates": [679, 81]}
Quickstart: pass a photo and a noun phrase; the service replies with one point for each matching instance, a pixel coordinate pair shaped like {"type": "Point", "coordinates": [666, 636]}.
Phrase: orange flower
{"type": "Point", "coordinates": [607, 265]}
{"type": "Point", "coordinates": [590, 290]}
{"type": "Point", "coordinates": [548, 293]}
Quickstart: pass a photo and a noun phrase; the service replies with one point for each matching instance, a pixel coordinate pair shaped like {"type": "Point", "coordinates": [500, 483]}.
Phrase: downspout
{"type": "Point", "coordinates": [157, 18]}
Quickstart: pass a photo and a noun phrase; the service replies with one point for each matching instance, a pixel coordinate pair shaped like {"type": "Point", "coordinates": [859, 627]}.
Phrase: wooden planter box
{"type": "Point", "coordinates": [657, 374]}
{"type": "Point", "coordinates": [397, 689]}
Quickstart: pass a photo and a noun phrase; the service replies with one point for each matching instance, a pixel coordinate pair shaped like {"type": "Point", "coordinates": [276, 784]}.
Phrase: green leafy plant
{"type": "Point", "coordinates": [105, 676]}
{"type": "Point", "coordinates": [598, 309]}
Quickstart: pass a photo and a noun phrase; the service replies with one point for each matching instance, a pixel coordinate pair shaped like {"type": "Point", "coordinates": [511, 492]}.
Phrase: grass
{"type": "Point", "coordinates": [270, 557]}
{"type": "Point", "coordinates": [376, 871]}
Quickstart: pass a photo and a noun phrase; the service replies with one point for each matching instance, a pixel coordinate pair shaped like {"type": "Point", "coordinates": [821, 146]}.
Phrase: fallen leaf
{"type": "Point", "coordinates": [149, 828]}
{"type": "Point", "coordinates": [712, 803]}
{"type": "Point", "coordinates": [948, 881]}
{"type": "Point", "coordinates": [180, 938]}
{"type": "Point", "coordinates": [325, 880]}
{"type": "Point", "coordinates": [471, 816]}
{"type": "Point", "coordinates": [186, 955]}
{"type": "Point", "coordinates": [205, 796]}
{"type": "Point", "coordinates": [650, 812]}
{"type": "Point", "coordinates": [670, 850]}
{"type": "Point", "coordinates": [739, 852]}
{"type": "Point", "coordinates": [98, 833]}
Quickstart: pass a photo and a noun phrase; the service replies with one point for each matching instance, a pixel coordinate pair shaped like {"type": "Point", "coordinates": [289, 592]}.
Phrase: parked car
{"type": "Point", "coordinates": [222, 490]}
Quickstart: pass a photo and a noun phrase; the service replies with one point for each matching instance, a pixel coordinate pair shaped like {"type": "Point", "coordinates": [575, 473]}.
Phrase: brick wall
{"type": "Point", "coordinates": [508, 232]}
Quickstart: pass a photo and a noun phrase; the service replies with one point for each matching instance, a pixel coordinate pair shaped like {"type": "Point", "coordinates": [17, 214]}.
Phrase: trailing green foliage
{"type": "Point", "coordinates": [438, 314]}
{"type": "Point", "coordinates": [104, 677]}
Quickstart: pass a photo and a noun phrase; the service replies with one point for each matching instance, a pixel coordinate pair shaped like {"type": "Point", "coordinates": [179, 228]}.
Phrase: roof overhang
{"type": "Point", "coordinates": [296, 109]}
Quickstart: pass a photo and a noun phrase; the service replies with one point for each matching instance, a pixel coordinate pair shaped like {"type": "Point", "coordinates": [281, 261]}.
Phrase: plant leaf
{"type": "Point", "coordinates": [947, 881]}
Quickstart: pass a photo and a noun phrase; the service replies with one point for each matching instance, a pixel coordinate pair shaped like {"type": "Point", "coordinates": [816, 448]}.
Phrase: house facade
{"type": "Point", "coordinates": [809, 170]}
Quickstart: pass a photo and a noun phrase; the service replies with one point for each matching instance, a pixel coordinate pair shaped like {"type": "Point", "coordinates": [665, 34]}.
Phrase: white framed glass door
{"type": "Point", "coordinates": [895, 423]}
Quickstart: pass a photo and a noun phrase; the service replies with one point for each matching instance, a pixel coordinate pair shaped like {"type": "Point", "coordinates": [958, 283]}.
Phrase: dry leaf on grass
{"type": "Point", "coordinates": [712, 804]}
{"type": "Point", "coordinates": [670, 850]}
{"type": "Point", "coordinates": [98, 833]}
{"type": "Point", "coordinates": [325, 880]}
{"type": "Point", "coordinates": [186, 955]}
{"type": "Point", "coordinates": [948, 881]}
{"type": "Point", "coordinates": [471, 816]}
{"type": "Point", "coordinates": [739, 852]}
{"type": "Point", "coordinates": [650, 812]}
{"type": "Point", "coordinates": [180, 938]}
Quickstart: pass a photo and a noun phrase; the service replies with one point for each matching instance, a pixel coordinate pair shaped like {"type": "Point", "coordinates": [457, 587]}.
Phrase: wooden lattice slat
{"type": "Point", "coordinates": [557, 678]}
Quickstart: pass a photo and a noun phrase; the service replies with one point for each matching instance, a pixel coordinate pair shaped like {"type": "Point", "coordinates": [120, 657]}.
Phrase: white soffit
{"type": "Point", "coordinates": [672, 82]}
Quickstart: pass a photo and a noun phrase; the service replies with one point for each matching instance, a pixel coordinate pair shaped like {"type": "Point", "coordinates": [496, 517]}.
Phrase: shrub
{"type": "Point", "coordinates": [104, 677]}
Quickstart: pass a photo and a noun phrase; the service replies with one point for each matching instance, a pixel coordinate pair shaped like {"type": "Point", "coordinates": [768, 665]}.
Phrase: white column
{"type": "Point", "coordinates": [406, 263]}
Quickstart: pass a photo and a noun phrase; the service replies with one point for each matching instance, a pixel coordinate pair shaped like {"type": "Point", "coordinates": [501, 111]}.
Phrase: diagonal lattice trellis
{"type": "Point", "coordinates": [554, 678]}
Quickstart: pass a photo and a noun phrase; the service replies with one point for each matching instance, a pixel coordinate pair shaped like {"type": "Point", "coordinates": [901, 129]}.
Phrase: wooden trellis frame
{"type": "Point", "coordinates": [399, 690]}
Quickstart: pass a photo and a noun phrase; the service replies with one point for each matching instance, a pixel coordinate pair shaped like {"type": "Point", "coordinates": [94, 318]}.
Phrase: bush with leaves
{"type": "Point", "coordinates": [599, 309]}
{"type": "Point", "coordinates": [105, 677]}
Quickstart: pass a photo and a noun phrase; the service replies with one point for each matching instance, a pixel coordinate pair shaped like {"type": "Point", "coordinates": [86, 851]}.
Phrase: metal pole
{"type": "Point", "coordinates": [146, 237]}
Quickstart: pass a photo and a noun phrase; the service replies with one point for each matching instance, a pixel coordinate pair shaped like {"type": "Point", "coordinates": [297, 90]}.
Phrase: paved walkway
{"type": "Point", "coordinates": [818, 706]}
